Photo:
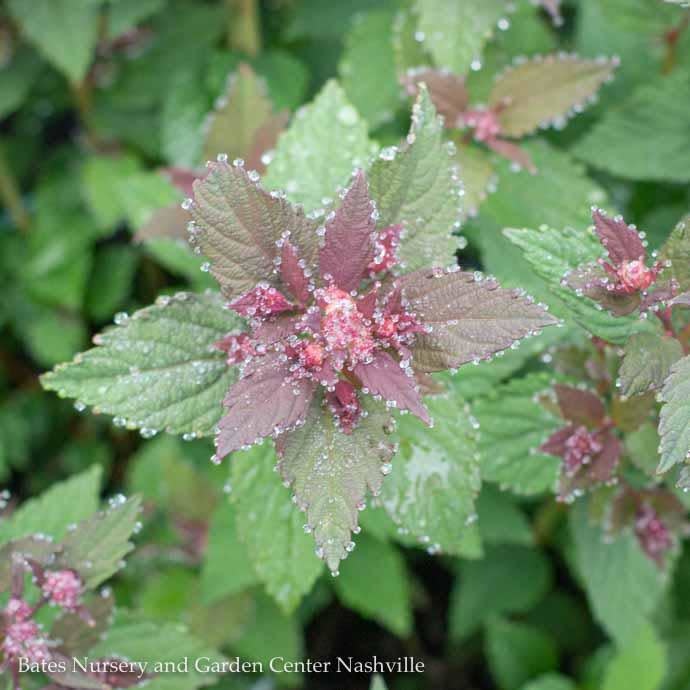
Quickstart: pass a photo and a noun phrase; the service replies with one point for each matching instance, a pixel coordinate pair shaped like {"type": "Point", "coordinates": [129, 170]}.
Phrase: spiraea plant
{"type": "Point", "coordinates": [338, 329]}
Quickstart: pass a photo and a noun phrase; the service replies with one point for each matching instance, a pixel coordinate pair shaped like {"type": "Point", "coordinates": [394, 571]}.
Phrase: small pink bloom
{"type": "Point", "coordinates": [579, 449]}
{"type": "Point", "coordinates": [237, 346]}
{"type": "Point", "coordinates": [63, 588]}
{"type": "Point", "coordinates": [312, 355]}
{"type": "Point", "coordinates": [17, 609]}
{"type": "Point", "coordinates": [345, 406]}
{"type": "Point", "coordinates": [262, 301]}
{"type": "Point", "coordinates": [24, 639]}
{"type": "Point", "coordinates": [343, 326]}
{"type": "Point", "coordinates": [652, 533]}
{"type": "Point", "coordinates": [484, 122]}
{"type": "Point", "coordinates": [634, 276]}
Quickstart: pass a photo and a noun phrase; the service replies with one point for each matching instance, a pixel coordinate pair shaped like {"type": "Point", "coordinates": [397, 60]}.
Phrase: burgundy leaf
{"type": "Point", "coordinates": [237, 346]}
{"type": "Point", "coordinates": [555, 444]}
{"type": "Point", "coordinates": [367, 304]}
{"type": "Point", "coordinates": [447, 91]}
{"type": "Point", "coordinates": [513, 153]}
{"type": "Point", "coordinates": [663, 292]}
{"type": "Point", "coordinates": [619, 239]}
{"type": "Point", "coordinates": [470, 318]}
{"type": "Point", "coordinates": [261, 301]}
{"type": "Point", "coordinates": [292, 273]}
{"type": "Point", "coordinates": [264, 402]}
{"type": "Point", "coordinates": [349, 239]}
{"type": "Point", "coordinates": [385, 377]}
{"type": "Point", "coordinates": [579, 406]}
{"type": "Point", "coordinates": [604, 464]}
{"type": "Point", "coordinates": [238, 225]}
{"type": "Point", "coordinates": [592, 281]}
{"type": "Point", "coordinates": [265, 139]}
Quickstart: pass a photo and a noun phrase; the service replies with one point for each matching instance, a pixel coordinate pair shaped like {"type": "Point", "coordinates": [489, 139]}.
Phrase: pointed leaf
{"type": "Point", "coordinates": [325, 142]}
{"type": "Point", "coordinates": [385, 377]}
{"type": "Point", "coordinates": [455, 32]}
{"type": "Point", "coordinates": [446, 90]}
{"type": "Point", "coordinates": [654, 117]}
{"type": "Point", "coordinates": [292, 273]}
{"type": "Point", "coordinates": [622, 243]}
{"type": "Point", "coordinates": [272, 529]}
{"type": "Point", "coordinates": [552, 254]}
{"type": "Point", "coordinates": [330, 473]}
{"type": "Point", "coordinates": [243, 114]}
{"type": "Point", "coordinates": [545, 90]}
{"type": "Point", "coordinates": [418, 187]}
{"type": "Point", "coordinates": [512, 424]}
{"type": "Point", "coordinates": [580, 406]}
{"type": "Point", "coordinates": [238, 224]}
{"type": "Point", "coordinates": [623, 585]}
{"type": "Point", "coordinates": [349, 240]}
{"type": "Point", "coordinates": [641, 664]}
{"type": "Point", "coordinates": [373, 92]}
{"type": "Point", "coordinates": [97, 546]}
{"type": "Point", "coordinates": [64, 31]}
{"type": "Point", "coordinates": [51, 513]}
{"type": "Point", "coordinates": [435, 477]}
{"type": "Point", "coordinates": [226, 569]}
{"type": "Point", "coordinates": [674, 420]}
{"type": "Point", "coordinates": [676, 249]}
{"type": "Point", "coordinates": [264, 402]}
{"type": "Point", "coordinates": [471, 318]}
{"type": "Point", "coordinates": [386, 598]}
{"type": "Point", "coordinates": [647, 362]}
{"type": "Point", "coordinates": [158, 369]}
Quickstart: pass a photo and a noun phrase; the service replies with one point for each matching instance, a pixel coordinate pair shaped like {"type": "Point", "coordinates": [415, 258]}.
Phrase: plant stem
{"type": "Point", "coordinates": [11, 196]}
{"type": "Point", "coordinates": [244, 30]}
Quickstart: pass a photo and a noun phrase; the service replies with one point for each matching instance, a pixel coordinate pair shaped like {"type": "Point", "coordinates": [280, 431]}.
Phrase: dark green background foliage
{"type": "Point", "coordinates": [96, 96]}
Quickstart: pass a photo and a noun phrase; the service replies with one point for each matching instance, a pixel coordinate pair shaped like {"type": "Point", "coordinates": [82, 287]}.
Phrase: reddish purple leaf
{"type": "Point", "coordinates": [513, 153]}
{"type": "Point", "coordinates": [292, 273]}
{"type": "Point", "coordinates": [264, 402]}
{"type": "Point", "coordinates": [603, 466]}
{"type": "Point", "coordinates": [386, 246]}
{"type": "Point", "coordinates": [385, 377]}
{"type": "Point", "coordinates": [262, 301]}
{"type": "Point", "coordinates": [592, 281]}
{"type": "Point", "coordinates": [349, 239]}
{"type": "Point", "coordinates": [470, 318]}
{"type": "Point", "coordinates": [619, 239]}
{"type": "Point", "coordinates": [555, 444]}
{"type": "Point", "coordinates": [579, 406]}
{"type": "Point", "coordinates": [447, 91]}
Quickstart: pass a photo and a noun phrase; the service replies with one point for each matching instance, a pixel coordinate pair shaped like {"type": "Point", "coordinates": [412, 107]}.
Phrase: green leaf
{"type": "Point", "coordinates": [550, 681]}
{"type": "Point", "coordinates": [330, 473]}
{"type": "Point", "coordinates": [243, 109]}
{"type": "Point", "coordinates": [377, 683]}
{"type": "Point", "coordinates": [654, 118]}
{"type": "Point", "coordinates": [227, 567]}
{"type": "Point", "coordinates": [455, 33]}
{"type": "Point", "coordinates": [517, 653]}
{"type": "Point", "coordinates": [385, 598]}
{"type": "Point", "coordinates": [509, 579]}
{"type": "Point", "coordinates": [237, 226]}
{"type": "Point", "coordinates": [131, 637]}
{"type": "Point", "coordinates": [16, 80]}
{"type": "Point", "coordinates": [158, 368]}
{"type": "Point", "coordinates": [64, 504]}
{"type": "Point", "coordinates": [500, 519]}
{"type": "Point", "coordinates": [111, 280]}
{"type": "Point", "coordinates": [367, 68]}
{"type": "Point", "coordinates": [418, 186]}
{"type": "Point", "coordinates": [674, 421]}
{"type": "Point", "coordinates": [124, 15]}
{"type": "Point", "coordinates": [512, 424]}
{"type": "Point", "coordinates": [435, 477]}
{"type": "Point", "coordinates": [552, 253]}
{"type": "Point", "coordinates": [65, 31]}
{"type": "Point", "coordinates": [647, 362]}
{"type": "Point", "coordinates": [642, 446]}
{"type": "Point", "coordinates": [325, 142]}
{"type": "Point", "coordinates": [477, 175]}
{"type": "Point", "coordinates": [640, 664]}
{"type": "Point", "coordinates": [622, 584]}
{"type": "Point", "coordinates": [271, 528]}
{"type": "Point", "coordinates": [676, 249]}
{"type": "Point", "coordinates": [182, 118]}
{"type": "Point", "coordinates": [408, 51]}
{"type": "Point", "coordinates": [544, 90]}
{"type": "Point", "coordinates": [269, 623]}
{"type": "Point", "coordinates": [96, 547]}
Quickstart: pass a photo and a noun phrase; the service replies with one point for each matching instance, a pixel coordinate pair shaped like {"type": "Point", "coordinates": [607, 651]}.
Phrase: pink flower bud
{"type": "Point", "coordinates": [17, 609]}
{"type": "Point", "coordinates": [634, 276]}
{"type": "Point", "coordinates": [63, 588]}
{"type": "Point", "coordinates": [24, 639]}
{"type": "Point", "coordinates": [652, 533]}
